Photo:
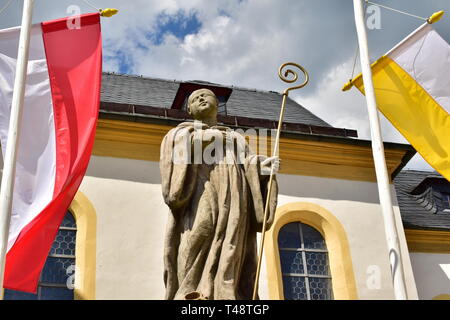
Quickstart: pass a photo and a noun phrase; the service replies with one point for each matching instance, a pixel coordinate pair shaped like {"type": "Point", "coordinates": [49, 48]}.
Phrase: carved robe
{"type": "Point", "coordinates": [215, 211]}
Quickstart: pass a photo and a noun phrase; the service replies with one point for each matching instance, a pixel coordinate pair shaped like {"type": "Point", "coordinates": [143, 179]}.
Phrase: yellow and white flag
{"type": "Point", "coordinates": [412, 88]}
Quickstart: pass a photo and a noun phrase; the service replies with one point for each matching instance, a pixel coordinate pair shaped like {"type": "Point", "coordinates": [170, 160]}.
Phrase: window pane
{"type": "Point", "coordinates": [297, 240]}
{"type": "Point", "coordinates": [222, 107]}
{"type": "Point", "coordinates": [18, 295]}
{"type": "Point", "coordinates": [64, 243]}
{"type": "Point", "coordinates": [317, 263]}
{"type": "Point", "coordinates": [49, 293]}
{"type": "Point", "coordinates": [289, 236]}
{"type": "Point", "coordinates": [312, 238]}
{"type": "Point", "coordinates": [294, 288]}
{"type": "Point", "coordinates": [55, 270]}
{"type": "Point", "coordinates": [291, 262]}
{"type": "Point", "coordinates": [69, 221]}
{"type": "Point", "coordinates": [320, 289]}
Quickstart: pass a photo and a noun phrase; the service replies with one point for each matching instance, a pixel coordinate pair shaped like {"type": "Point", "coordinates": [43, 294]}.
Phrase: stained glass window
{"type": "Point", "coordinates": [304, 263]}
{"type": "Point", "coordinates": [57, 278]}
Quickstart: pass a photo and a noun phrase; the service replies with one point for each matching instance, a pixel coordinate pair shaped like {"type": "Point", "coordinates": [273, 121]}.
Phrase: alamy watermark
{"type": "Point", "coordinates": [373, 280]}
{"type": "Point", "coordinates": [197, 144]}
{"type": "Point", "coordinates": [70, 282]}
{"type": "Point", "coordinates": [74, 20]}
{"type": "Point", "coordinates": [373, 17]}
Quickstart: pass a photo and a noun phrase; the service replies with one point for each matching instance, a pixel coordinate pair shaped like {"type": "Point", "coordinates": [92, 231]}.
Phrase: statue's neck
{"type": "Point", "coordinates": [210, 122]}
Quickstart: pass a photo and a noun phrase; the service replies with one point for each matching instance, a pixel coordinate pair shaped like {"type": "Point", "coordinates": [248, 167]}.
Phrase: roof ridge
{"type": "Point", "coordinates": [128, 75]}
{"type": "Point", "coordinates": [190, 81]}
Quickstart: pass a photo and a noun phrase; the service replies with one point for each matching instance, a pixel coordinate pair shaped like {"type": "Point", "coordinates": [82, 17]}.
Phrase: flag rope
{"type": "Point", "coordinates": [91, 5]}
{"type": "Point", "coordinates": [354, 61]}
{"type": "Point", "coordinates": [398, 11]}
{"type": "Point", "coordinates": [357, 47]}
{"type": "Point", "coordinates": [107, 12]}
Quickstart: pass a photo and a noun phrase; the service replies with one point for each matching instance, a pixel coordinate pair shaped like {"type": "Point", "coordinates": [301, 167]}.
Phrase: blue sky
{"type": "Point", "coordinates": [243, 43]}
{"type": "Point", "coordinates": [179, 25]}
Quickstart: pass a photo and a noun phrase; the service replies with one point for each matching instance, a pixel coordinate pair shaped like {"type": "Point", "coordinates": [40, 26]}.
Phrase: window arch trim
{"type": "Point", "coordinates": [85, 247]}
{"type": "Point", "coordinates": [341, 268]}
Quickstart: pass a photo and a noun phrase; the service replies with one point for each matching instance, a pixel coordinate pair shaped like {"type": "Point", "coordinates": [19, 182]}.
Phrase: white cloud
{"type": "Point", "coordinates": [348, 110]}
{"type": "Point", "coordinates": [244, 42]}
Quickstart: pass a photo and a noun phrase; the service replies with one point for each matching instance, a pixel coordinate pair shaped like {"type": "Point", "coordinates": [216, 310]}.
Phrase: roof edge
{"type": "Point", "coordinates": [410, 151]}
{"type": "Point", "coordinates": [406, 158]}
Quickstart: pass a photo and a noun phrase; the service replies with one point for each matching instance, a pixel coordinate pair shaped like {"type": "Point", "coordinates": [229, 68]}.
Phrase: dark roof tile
{"type": "Point", "coordinates": [420, 211]}
{"type": "Point", "coordinates": [159, 93]}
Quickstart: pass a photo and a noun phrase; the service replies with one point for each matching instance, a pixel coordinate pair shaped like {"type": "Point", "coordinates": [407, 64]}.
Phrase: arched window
{"type": "Point", "coordinates": [319, 235]}
{"type": "Point", "coordinates": [57, 277]}
{"type": "Point", "coordinates": [304, 263]}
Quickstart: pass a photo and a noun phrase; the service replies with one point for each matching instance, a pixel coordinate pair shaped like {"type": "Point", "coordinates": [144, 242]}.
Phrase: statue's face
{"type": "Point", "coordinates": [202, 104]}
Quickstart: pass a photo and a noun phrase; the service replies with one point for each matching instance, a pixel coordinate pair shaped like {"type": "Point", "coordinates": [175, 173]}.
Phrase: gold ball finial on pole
{"type": "Point", "coordinates": [108, 12]}
{"type": "Point", "coordinates": [435, 17]}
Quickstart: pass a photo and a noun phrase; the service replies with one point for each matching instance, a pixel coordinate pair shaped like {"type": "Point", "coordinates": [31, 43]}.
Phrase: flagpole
{"type": "Point", "coordinates": [9, 167]}
{"type": "Point", "coordinates": [395, 257]}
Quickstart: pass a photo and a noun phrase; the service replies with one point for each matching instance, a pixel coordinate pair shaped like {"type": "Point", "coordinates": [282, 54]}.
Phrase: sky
{"type": "Point", "coordinates": [243, 42]}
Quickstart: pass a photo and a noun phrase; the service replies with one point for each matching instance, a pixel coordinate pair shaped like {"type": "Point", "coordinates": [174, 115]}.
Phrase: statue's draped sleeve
{"type": "Point", "coordinates": [178, 179]}
{"type": "Point", "coordinates": [259, 187]}
{"type": "Point", "coordinates": [178, 176]}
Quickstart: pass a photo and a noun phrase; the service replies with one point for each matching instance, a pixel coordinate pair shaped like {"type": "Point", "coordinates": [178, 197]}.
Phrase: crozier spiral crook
{"type": "Point", "coordinates": [284, 75]}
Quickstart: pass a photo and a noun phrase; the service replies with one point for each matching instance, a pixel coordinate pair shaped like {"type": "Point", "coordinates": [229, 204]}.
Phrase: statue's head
{"type": "Point", "coordinates": [202, 105]}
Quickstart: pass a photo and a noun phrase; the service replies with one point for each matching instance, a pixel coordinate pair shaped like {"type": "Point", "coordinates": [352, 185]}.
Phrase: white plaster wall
{"type": "Point", "coordinates": [131, 219]}
{"type": "Point", "coordinates": [432, 273]}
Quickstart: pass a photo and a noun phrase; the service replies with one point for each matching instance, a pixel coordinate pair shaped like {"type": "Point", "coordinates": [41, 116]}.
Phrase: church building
{"type": "Point", "coordinates": [327, 240]}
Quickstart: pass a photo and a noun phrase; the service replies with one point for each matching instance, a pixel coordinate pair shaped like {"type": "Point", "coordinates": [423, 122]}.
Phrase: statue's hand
{"type": "Point", "coordinates": [266, 165]}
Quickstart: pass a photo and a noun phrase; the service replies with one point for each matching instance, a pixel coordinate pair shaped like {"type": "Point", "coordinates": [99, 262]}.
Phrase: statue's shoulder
{"type": "Point", "coordinates": [181, 126]}
{"type": "Point", "coordinates": [186, 124]}
{"type": "Point", "coordinates": [182, 129]}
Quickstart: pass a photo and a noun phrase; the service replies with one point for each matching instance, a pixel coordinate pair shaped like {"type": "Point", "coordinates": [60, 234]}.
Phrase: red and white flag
{"type": "Point", "coordinates": [62, 98]}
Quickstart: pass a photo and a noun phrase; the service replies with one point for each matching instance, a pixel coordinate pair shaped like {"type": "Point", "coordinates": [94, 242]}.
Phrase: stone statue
{"type": "Point", "coordinates": [216, 207]}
